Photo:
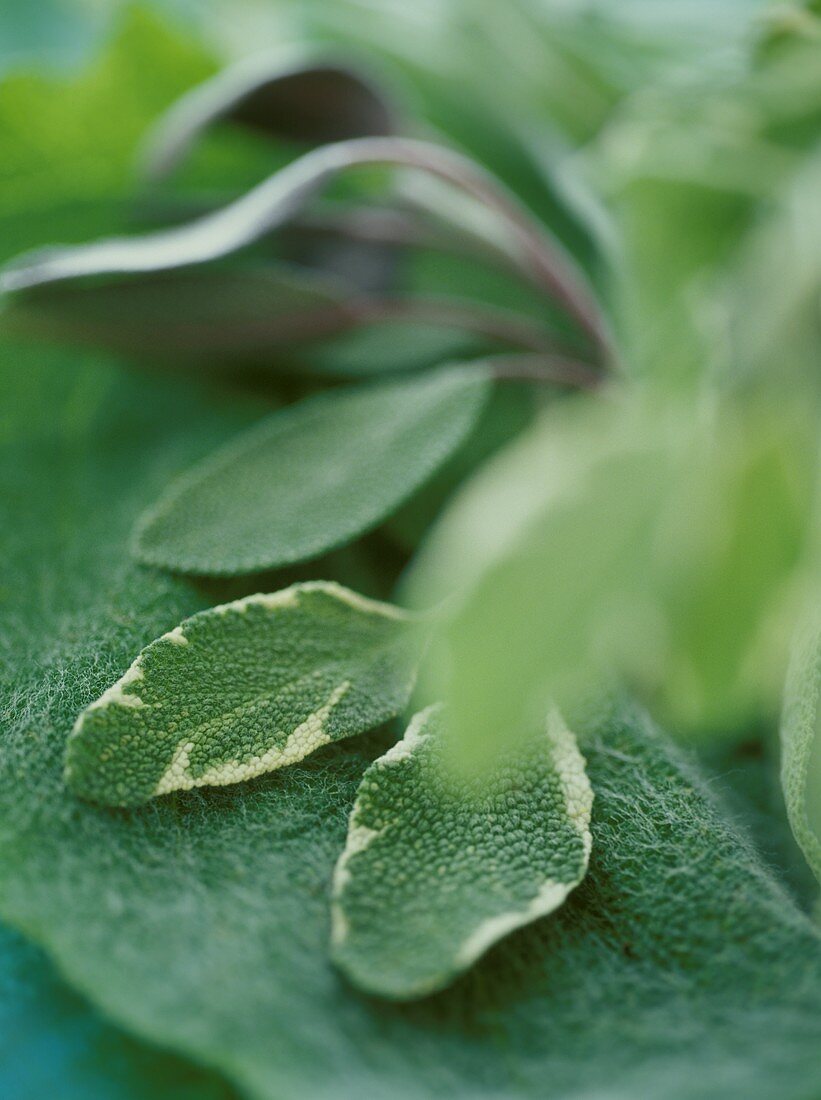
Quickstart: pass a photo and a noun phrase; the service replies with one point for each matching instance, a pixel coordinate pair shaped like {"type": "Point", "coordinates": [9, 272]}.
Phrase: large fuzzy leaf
{"type": "Point", "coordinates": [50, 1039]}
{"type": "Point", "coordinates": [312, 476]}
{"type": "Point", "coordinates": [454, 862]}
{"type": "Point", "coordinates": [677, 969]}
{"type": "Point", "coordinates": [243, 689]}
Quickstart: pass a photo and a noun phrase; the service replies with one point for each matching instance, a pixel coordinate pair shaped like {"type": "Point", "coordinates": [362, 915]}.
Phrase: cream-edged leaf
{"type": "Point", "coordinates": [438, 867]}
{"type": "Point", "coordinates": [243, 689]}
{"type": "Point", "coordinates": [313, 476]}
{"type": "Point", "coordinates": [801, 744]}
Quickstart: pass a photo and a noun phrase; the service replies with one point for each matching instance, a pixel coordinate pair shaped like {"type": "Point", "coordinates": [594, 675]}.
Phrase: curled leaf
{"type": "Point", "coordinates": [312, 102]}
{"type": "Point", "coordinates": [312, 476]}
{"type": "Point", "coordinates": [437, 868]}
{"type": "Point", "coordinates": [537, 256]}
{"type": "Point", "coordinates": [243, 689]}
{"type": "Point", "coordinates": [801, 744]}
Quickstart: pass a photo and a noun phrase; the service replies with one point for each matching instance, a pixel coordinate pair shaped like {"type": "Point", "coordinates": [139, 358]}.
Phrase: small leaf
{"type": "Point", "coordinates": [244, 689]}
{"type": "Point", "coordinates": [310, 102]}
{"type": "Point", "coordinates": [312, 476]}
{"type": "Point", "coordinates": [436, 870]}
{"type": "Point", "coordinates": [801, 744]}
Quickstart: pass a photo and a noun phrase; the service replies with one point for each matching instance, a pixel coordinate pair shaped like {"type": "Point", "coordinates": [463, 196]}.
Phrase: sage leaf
{"type": "Point", "coordinates": [312, 102]}
{"type": "Point", "coordinates": [801, 743]}
{"type": "Point", "coordinates": [243, 689]}
{"type": "Point", "coordinates": [312, 476]}
{"type": "Point", "coordinates": [221, 901]}
{"type": "Point", "coordinates": [437, 868]}
{"type": "Point", "coordinates": [212, 314]}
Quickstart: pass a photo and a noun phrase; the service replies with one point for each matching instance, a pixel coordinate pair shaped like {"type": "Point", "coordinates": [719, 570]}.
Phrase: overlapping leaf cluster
{"type": "Point", "coordinates": [654, 531]}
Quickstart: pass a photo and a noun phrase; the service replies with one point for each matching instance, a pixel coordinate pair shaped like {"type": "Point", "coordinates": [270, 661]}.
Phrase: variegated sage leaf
{"type": "Point", "coordinates": [243, 689]}
{"type": "Point", "coordinates": [439, 866]}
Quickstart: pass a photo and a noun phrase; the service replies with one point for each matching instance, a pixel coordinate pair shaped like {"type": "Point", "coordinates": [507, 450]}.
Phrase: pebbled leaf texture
{"type": "Point", "coordinates": [801, 743]}
{"type": "Point", "coordinates": [437, 868]}
{"type": "Point", "coordinates": [313, 476]}
{"type": "Point", "coordinates": [243, 689]}
{"type": "Point", "coordinates": [678, 968]}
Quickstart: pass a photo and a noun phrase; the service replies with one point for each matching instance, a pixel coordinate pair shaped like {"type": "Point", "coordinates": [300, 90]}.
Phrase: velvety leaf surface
{"type": "Point", "coordinates": [801, 744]}
{"type": "Point", "coordinates": [677, 969]}
{"type": "Point", "coordinates": [243, 689]}
{"type": "Point", "coordinates": [438, 867]}
{"type": "Point", "coordinates": [312, 476]}
{"type": "Point", "coordinates": [52, 1042]}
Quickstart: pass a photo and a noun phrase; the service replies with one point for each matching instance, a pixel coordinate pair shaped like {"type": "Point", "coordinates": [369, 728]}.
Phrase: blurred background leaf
{"type": "Point", "coordinates": [661, 542]}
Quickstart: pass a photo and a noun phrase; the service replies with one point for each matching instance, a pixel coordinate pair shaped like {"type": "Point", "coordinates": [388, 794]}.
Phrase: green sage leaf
{"type": "Point", "coordinates": [801, 743]}
{"type": "Point", "coordinates": [312, 476]}
{"type": "Point", "coordinates": [455, 864]}
{"type": "Point", "coordinates": [244, 689]}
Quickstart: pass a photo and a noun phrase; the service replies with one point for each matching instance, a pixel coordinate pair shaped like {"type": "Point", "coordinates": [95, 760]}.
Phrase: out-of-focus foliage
{"type": "Point", "coordinates": [672, 537]}
{"type": "Point", "coordinates": [51, 1038]}
{"type": "Point", "coordinates": [68, 143]}
{"type": "Point", "coordinates": [424, 888]}
{"type": "Point", "coordinates": [801, 743]}
{"type": "Point", "coordinates": [711, 182]}
{"type": "Point", "coordinates": [663, 541]}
